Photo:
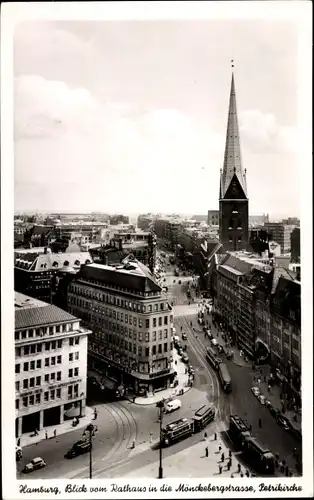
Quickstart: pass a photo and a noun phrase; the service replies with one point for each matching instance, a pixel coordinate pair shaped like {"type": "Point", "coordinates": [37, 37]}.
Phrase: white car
{"type": "Point", "coordinates": [255, 391]}
{"type": "Point", "coordinates": [262, 399]}
{"type": "Point", "coordinates": [214, 341]}
{"type": "Point", "coordinates": [173, 405]}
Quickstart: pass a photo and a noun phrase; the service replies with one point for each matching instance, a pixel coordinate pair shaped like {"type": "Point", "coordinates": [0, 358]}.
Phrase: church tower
{"type": "Point", "coordinates": [233, 200]}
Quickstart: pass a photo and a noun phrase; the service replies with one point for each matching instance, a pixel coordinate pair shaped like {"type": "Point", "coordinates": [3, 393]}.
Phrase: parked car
{"type": "Point", "coordinates": [281, 420]}
{"type": "Point", "coordinates": [184, 336]}
{"type": "Point", "coordinates": [273, 411]}
{"type": "Point", "coordinates": [175, 383]}
{"type": "Point", "coordinates": [255, 391]}
{"type": "Point", "coordinates": [214, 341]}
{"type": "Point", "coordinates": [191, 370]}
{"type": "Point", "coordinates": [79, 448]}
{"type": "Point", "coordinates": [173, 405]}
{"type": "Point", "coordinates": [262, 399]}
{"type": "Point", "coordinates": [36, 463]}
{"type": "Point", "coordinates": [180, 351]}
{"type": "Point", "coordinates": [185, 358]}
{"type": "Point", "coordinates": [221, 349]}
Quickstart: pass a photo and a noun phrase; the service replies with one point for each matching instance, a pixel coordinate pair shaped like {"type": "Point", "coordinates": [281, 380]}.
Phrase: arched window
{"type": "Point", "coordinates": [66, 263]}
{"type": "Point", "coordinates": [77, 263]}
{"type": "Point", "coordinates": [55, 264]}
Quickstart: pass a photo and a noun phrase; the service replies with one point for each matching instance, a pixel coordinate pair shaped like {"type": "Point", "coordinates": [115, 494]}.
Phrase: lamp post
{"type": "Point", "coordinates": [90, 428]}
{"type": "Point", "coordinates": [160, 405]}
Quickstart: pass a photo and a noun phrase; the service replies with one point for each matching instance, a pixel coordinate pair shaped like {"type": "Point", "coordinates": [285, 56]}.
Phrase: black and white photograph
{"type": "Point", "coordinates": [159, 166]}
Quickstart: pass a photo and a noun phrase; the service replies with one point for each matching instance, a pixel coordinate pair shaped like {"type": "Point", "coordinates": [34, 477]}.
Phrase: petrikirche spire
{"type": "Point", "coordinates": [232, 159]}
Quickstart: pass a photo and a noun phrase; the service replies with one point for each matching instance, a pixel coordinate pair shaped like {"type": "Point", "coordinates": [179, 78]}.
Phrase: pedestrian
{"type": "Point", "coordinates": [260, 423]}
{"type": "Point", "coordinates": [95, 415]}
{"type": "Point", "coordinates": [133, 443]}
{"type": "Point", "coordinates": [220, 469]}
{"type": "Point", "coordinates": [247, 473]}
{"type": "Point", "coordinates": [150, 437]}
{"type": "Point", "coordinates": [55, 433]}
{"type": "Point", "coordinates": [230, 453]}
{"type": "Point", "coordinates": [241, 474]}
{"type": "Point", "coordinates": [232, 476]}
{"type": "Point", "coordinates": [268, 388]}
{"type": "Point", "coordinates": [215, 436]}
{"type": "Point", "coordinates": [228, 465]}
{"type": "Point", "coordinates": [206, 451]}
{"type": "Point", "coordinates": [205, 435]}
{"type": "Point", "coordinates": [19, 442]}
{"type": "Point", "coordinates": [239, 467]}
{"type": "Point", "coordinates": [36, 432]}
{"type": "Point", "coordinates": [222, 457]}
{"type": "Point", "coordinates": [46, 435]}
{"type": "Point", "coordinates": [219, 449]}
{"type": "Point", "coordinates": [134, 399]}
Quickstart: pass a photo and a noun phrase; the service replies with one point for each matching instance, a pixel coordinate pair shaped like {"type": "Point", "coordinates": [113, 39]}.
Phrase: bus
{"type": "Point", "coordinates": [179, 429]}
{"type": "Point", "coordinates": [213, 358]}
{"type": "Point", "coordinates": [203, 416]}
{"type": "Point", "coordinates": [225, 378]}
{"type": "Point", "coordinates": [238, 430]}
{"type": "Point", "coordinates": [263, 460]}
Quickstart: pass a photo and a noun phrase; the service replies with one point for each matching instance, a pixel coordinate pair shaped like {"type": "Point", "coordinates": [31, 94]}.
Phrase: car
{"type": "Point", "coordinates": [173, 405]}
{"type": "Point", "coordinates": [191, 370]}
{"type": "Point", "coordinates": [214, 341]}
{"type": "Point", "coordinates": [184, 336]}
{"type": "Point", "coordinates": [180, 351]}
{"type": "Point", "coordinates": [221, 349]}
{"type": "Point", "coordinates": [185, 358]}
{"type": "Point", "coordinates": [262, 399]}
{"type": "Point", "coordinates": [36, 463]}
{"type": "Point", "coordinates": [179, 282]}
{"type": "Point", "coordinates": [273, 411]}
{"type": "Point", "coordinates": [281, 420]}
{"type": "Point", "coordinates": [79, 448]}
{"type": "Point", "coordinates": [18, 452]}
{"type": "Point", "coordinates": [255, 391]}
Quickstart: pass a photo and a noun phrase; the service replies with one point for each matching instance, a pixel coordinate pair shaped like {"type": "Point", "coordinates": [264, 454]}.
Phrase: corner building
{"type": "Point", "coordinates": [131, 323]}
{"type": "Point", "coordinates": [233, 201]}
{"type": "Point", "coordinates": [50, 365]}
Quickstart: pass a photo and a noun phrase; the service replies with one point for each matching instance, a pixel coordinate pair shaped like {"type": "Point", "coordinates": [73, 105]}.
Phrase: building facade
{"type": "Point", "coordinates": [213, 217]}
{"type": "Point", "coordinates": [281, 234]}
{"type": "Point", "coordinates": [50, 365]}
{"type": "Point", "coordinates": [295, 245]}
{"type": "Point", "coordinates": [233, 200]}
{"type": "Point", "coordinates": [131, 321]}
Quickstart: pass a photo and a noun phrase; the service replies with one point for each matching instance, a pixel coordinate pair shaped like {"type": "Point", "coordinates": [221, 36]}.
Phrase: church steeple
{"type": "Point", "coordinates": [232, 160]}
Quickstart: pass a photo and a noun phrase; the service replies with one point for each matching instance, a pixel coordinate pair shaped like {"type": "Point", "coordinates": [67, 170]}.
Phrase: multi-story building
{"type": "Point", "coordinates": [131, 321]}
{"type": "Point", "coordinates": [34, 271]}
{"type": "Point", "coordinates": [280, 233]}
{"type": "Point", "coordinates": [119, 219]}
{"type": "Point", "coordinates": [233, 200]}
{"type": "Point", "coordinates": [50, 364]}
{"type": "Point", "coordinates": [257, 220]}
{"type": "Point", "coordinates": [295, 245]}
{"type": "Point", "coordinates": [213, 217]}
{"type": "Point", "coordinates": [145, 221]}
{"type": "Point", "coordinates": [168, 229]}
{"type": "Point", "coordinates": [39, 235]}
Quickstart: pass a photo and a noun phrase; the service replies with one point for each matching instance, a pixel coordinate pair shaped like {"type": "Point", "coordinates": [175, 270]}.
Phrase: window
{"type": "Point", "coordinates": [33, 348]}
{"type": "Point", "coordinates": [47, 362]}
{"type": "Point", "coordinates": [59, 358]}
{"type": "Point", "coordinates": [47, 346]}
{"type": "Point", "coordinates": [147, 323]}
{"type": "Point", "coordinates": [58, 375]}
{"type": "Point", "coordinates": [50, 330]}
{"type": "Point", "coordinates": [154, 349]}
{"type": "Point", "coordinates": [165, 333]}
{"type": "Point", "coordinates": [25, 383]}
{"type": "Point", "coordinates": [58, 393]}
{"type": "Point", "coordinates": [46, 396]}
{"type": "Point", "coordinates": [17, 368]}
{"type": "Point", "coordinates": [162, 307]}
{"type": "Point", "coordinates": [37, 398]}
{"type": "Point", "coordinates": [24, 337]}
{"type": "Point", "coordinates": [52, 394]}
{"type": "Point", "coordinates": [32, 365]}
{"type": "Point", "coordinates": [150, 308]}
{"type": "Point", "coordinates": [159, 348]}
{"type": "Point", "coordinates": [76, 372]}
{"type": "Point", "coordinates": [26, 367]}
{"type": "Point", "coordinates": [38, 363]}
{"type": "Point", "coordinates": [71, 356]}
{"type": "Point", "coordinates": [140, 323]}
{"type": "Point", "coordinates": [140, 336]}
{"type": "Point", "coordinates": [32, 382]}
{"type": "Point", "coordinates": [147, 351]}
{"type": "Point", "coordinates": [160, 321]}
{"type": "Point", "coordinates": [140, 350]}
{"type": "Point", "coordinates": [147, 337]}
{"type": "Point", "coordinates": [31, 400]}
{"type": "Point", "coordinates": [71, 372]}
{"type": "Point", "coordinates": [165, 347]}
{"type": "Point", "coordinates": [77, 355]}
{"type": "Point", "coordinates": [25, 401]}
{"type": "Point", "coordinates": [53, 360]}
{"type": "Point", "coordinates": [134, 321]}
{"type": "Point", "coordinates": [53, 344]}
{"type": "Point", "coordinates": [77, 340]}
{"type": "Point", "coordinates": [39, 347]}
{"type": "Point", "coordinates": [26, 350]}
{"type": "Point", "coordinates": [17, 386]}
{"type": "Point", "coordinates": [71, 341]}
{"type": "Point", "coordinates": [38, 380]}
{"type": "Point", "coordinates": [154, 322]}
{"type": "Point", "coordinates": [47, 377]}
{"type": "Point", "coordinates": [75, 390]}
{"type": "Point", "coordinates": [165, 320]}
{"type": "Point", "coordinates": [160, 334]}
{"type": "Point", "coordinates": [17, 404]}
{"type": "Point", "coordinates": [52, 377]}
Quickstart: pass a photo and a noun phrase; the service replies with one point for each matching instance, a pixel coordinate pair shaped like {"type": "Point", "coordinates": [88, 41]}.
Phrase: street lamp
{"type": "Point", "coordinates": [91, 429]}
{"type": "Point", "coordinates": [160, 405]}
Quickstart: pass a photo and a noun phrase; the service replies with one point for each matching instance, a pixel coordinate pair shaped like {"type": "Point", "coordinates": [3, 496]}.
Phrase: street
{"type": "Point", "coordinates": [121, 423]}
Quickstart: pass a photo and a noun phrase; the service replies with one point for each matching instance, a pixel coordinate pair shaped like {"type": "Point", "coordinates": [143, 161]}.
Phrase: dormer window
{"type": "Point", "coordinates": [77, 263]}
{"type": "Point", "coordinates": [66, 263]}
{"type": "Point", "coordinates": [55, 264]}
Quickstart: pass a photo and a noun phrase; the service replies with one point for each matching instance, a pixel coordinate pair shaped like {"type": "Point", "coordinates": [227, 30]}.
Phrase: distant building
{"type": "Point", "coordinates": [118, 219]}
{"type": "Point", "coordinates": [131, 321]}
{"type": "Point", "coordinates": [280, 233]}
{"type": "Point", "coordinates": [295, 245]}
{"type": "Point", "coordinates": [199, 218]}
{"type": "Point", "coordinates": [50, 365]}
{"type": "Point", "coordinates": [145, 221]}
{"type": "Point", "coordinates": [233, 200]}
{"type": "Point", "coordinates": [291, 221]}
{"type": "Point", "coordinates": [213, 217]}
{"type": "Point", "coordinates": [38, 236]}
{"type": "Point", "coordinates": [167, 230]}
{"type": "Point", "coordinates": [257, 220]}
{"type": "Point", "coordinates": [34, 271]}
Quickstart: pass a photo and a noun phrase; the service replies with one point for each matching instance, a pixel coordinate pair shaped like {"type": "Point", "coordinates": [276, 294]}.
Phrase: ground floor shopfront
{"type": "Point", "coordinates": [38, 420]}
{"type": "Point", "coordinates": [128, 380]}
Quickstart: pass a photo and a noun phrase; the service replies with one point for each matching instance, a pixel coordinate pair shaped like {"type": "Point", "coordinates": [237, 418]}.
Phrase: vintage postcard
{"type": "Point", "coordinates": [156, 188]}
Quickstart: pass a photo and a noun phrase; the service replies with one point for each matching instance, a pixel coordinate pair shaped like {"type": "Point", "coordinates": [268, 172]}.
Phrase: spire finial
{"type": "Point", "coordinates": [232, 64]}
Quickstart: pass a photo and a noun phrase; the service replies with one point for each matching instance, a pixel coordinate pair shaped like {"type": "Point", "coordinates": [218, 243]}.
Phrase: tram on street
{"type": "Point", "coordinates": [213, 358]}
{"type": "Point", "coordinates": [224, 377]}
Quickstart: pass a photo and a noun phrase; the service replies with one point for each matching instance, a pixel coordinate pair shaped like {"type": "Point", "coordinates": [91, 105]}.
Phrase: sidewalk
{"type": "Point", "coordinates": [170, 392]}
{"type": "Point", "coordinates": [192, 462]}
{"type": "Point", "coordinates": [27, 439]}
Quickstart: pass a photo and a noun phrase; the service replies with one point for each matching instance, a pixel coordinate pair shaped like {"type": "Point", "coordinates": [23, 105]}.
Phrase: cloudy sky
{"type": "Point", "coordinates": [131, 116]}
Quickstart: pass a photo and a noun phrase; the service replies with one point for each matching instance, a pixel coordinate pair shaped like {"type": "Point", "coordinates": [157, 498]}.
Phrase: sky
{"type": "Point", "coordinates": [131, 116]}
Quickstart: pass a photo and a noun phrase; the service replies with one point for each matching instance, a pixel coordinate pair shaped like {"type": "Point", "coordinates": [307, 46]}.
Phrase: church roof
{"type": "Point", "coordinates": [232, 159]}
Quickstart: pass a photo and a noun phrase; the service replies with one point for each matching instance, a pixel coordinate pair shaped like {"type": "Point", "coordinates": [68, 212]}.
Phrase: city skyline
{"type": "Point", "coordinates": [89, 135]}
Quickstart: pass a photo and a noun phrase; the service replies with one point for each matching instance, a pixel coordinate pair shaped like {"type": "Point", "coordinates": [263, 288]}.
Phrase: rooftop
{"type": "Point", "coordinates": [30, 312]}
